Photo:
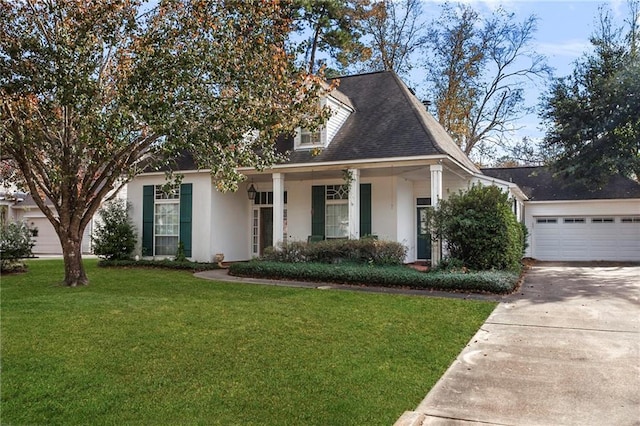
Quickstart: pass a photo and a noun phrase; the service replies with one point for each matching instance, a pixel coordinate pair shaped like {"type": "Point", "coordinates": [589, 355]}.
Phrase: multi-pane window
{"type": "Point", "coordinates": [546, 220]}
{"type": "Point", "coordinates": [337, 211]}
{"type": "Point", "coordinates": [574, 220]}
{"type": "Point", "coordinates": [166, 220]}
{"type": "Point", "coordinates": [630, 220]}
{"type": "Point", "coordinates": [308, 137]}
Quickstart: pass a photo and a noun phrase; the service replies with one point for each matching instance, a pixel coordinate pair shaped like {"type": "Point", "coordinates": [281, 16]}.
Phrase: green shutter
{"type": "Point", "coordinates": [365, 209]}
{"type": "Point", "coordinates": [147, 220]}
{"type": "Point", "coordinates": [317, 210]}
{"type": "Point", "coordinates": [186, 197]}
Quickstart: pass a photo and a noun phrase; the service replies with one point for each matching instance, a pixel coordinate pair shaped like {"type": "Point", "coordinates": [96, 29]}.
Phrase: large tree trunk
{"type": "Point", "coordinates": [74, 273]}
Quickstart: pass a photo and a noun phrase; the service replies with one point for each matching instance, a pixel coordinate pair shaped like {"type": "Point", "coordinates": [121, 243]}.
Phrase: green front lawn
{"type": "Point", "coordinates": [142, 346]}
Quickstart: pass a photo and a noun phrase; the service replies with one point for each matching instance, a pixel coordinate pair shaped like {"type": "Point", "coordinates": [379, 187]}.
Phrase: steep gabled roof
{"type": "Point", "coordinates": [539, 184]}
{"type": "Point", "coordinates": [388, 122]}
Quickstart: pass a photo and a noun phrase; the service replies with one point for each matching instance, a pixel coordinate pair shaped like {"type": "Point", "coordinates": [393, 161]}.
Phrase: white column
{"type": "Point", "coordinates": [278, 208]}
{"type": "Point", "coordinates": [354, 204]}
{"type": "Point", "coordinates": [436, 196]}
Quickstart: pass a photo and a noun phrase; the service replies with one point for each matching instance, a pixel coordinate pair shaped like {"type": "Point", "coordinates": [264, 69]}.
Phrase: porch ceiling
{"type": "Point", "coordinates": [409, 170]}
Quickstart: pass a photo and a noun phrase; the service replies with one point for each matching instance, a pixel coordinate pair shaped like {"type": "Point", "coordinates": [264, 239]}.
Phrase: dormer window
{"type": "Point", "coordinates": [309, 138]}
{"type": "Point", "coordinates": [322, 137]}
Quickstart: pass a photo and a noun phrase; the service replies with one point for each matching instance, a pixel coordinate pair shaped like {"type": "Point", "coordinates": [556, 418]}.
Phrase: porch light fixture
{"type": "Point", "coordinates": [251, 192]}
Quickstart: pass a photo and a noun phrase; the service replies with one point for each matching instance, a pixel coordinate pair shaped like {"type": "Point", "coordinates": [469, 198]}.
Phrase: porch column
{"type": "Point", "coordinates": [278, 208]}
{"type": "Point", "coordinates": [436, 196]}
{"type": "Point", "coordinates": [354, 204]}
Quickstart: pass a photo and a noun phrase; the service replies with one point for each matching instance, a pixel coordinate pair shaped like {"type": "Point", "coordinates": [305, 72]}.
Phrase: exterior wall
{"type": "Point", "coordinates": [201, 210]}
{"type": "Point", "coordinates": [383, 208]}
{"type": "Point", "coordinates": [228, 222]}
{"type": "Point", "coordinates": [339, 115]}
{"type": "Point", "coordinates": [298, 208]}
{"type": "Point", "coordinates": [406, 217]}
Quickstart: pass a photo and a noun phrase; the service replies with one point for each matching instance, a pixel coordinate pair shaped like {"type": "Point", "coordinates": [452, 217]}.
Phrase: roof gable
{"type": "Point", "coordinates": [539, 184]}
{"type": "Point", "coordinates": [388, 122]}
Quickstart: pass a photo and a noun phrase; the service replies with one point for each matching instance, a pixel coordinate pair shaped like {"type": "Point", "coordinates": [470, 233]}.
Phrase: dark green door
{"type": "Point", "coordinates": [266, 228]}
{"type": "Point", "coordinates": [424, 238]}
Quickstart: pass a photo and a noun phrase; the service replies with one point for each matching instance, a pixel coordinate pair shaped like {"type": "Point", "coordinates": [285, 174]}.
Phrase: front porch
{"type": "Point", "coordinates": [389, 201]}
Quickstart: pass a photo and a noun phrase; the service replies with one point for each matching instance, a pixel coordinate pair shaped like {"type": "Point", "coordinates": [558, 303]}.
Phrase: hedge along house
{"type": "Point", "coordinates": [375, 168]}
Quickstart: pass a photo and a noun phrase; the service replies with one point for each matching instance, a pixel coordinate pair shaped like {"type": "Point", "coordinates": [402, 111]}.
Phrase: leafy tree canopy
{"type": "Point", "coordinates": [593, 115]}
{"type": "Point", "coordinates": [88, 89]}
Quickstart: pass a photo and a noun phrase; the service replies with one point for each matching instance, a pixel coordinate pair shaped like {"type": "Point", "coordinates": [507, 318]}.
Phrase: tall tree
{"type": "Point", "coordinates": [88, 89]}
{"type": "Point", "coordinates": [478, 68]}
{"type": "Point", "coordinates": [332, 27]}
{"type": "Point", "coordinates": [593, 115]}
{"type": "Point", "coordinates": [396, 31]}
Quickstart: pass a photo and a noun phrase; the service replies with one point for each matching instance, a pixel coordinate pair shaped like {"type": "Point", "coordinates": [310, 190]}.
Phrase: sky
{"type": "Point", "coordinates": [563, 32]}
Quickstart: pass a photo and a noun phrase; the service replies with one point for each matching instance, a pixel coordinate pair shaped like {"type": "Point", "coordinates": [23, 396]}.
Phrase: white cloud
{"type": "Point", "coordinates": [570, 48]}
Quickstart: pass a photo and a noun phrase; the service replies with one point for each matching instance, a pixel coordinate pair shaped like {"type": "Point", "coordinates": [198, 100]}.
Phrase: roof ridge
{"type": "Point", "coordinates": [418, 111]}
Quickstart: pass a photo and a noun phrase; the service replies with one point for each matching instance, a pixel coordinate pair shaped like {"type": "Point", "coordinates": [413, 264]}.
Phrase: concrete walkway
{"type": "Point", "coordinates": [565, 351]}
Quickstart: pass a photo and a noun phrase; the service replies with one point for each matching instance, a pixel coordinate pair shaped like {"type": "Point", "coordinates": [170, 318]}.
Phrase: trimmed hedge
{"type": "Point", "coordinates": [365, 250]}
{"type": "Point", "coordinates": [499, 282]}
{"type": "Point", "coordinates": [161, 264]}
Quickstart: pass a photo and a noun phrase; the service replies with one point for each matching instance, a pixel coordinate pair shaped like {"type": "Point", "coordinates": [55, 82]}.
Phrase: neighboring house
{"type": "Point", "coordinates": [567, 221]}
{"type": "Point", "coordinates": [22, 208]}
{"type": "Point", "coordinates": [375, 168]}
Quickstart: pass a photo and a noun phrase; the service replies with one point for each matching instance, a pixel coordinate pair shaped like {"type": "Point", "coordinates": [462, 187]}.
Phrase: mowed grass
{"type": "Point", "coordinates": [162, 347]}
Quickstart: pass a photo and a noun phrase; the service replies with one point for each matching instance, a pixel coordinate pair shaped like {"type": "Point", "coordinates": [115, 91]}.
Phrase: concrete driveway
{"type": "Point", "coordinates": [564, 351]}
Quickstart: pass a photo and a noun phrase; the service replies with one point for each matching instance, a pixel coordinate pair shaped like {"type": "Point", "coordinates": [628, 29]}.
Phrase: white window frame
{"type": "Point", "coordinates": [339, 196]}
{"type": "Point", "coordinates": [172, 197]}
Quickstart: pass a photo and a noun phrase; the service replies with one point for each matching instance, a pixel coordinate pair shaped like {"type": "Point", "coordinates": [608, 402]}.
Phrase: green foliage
{"type": "Point", "coordinates": [89, 89]}
{"type": "Point", "coordinates": [144, 347]}
{"type": "Point", "coordinates": [479, 228]}
{"type": "Point", "coordinates": [498, 282]}
{"type": "Point", "coordinates": [180, 255]}
{"type": "Point", "coordinates": [333, 27]}
{"type": "Point", "coordinates": [592, 115]}
{"type": "Point", "coordinates": [160, 264]}
{"type": "Point", "coordinates": [115, 237]}
{"type": "Point", "coordinates": [16, 243]}
{"type": "Point", "coordinates": [365, 250]}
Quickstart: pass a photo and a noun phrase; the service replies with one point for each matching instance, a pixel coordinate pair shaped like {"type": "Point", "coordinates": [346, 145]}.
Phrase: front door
{"type": "Point", "coordinates": [423, 238]}
{"type": "Point", "coordinates": [266, 228]}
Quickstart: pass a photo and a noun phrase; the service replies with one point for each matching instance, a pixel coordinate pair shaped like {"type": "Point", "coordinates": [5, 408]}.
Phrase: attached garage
{"type": "Point", "coordinates": [568, 221]}
{"type": "Point", "coordinates": [613, 238]}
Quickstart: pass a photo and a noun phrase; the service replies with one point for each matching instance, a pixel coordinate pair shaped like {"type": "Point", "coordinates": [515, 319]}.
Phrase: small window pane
{"type": "Point", "coordinates": [337, 192]}
{"type": "Point", "coordinates": [309, 138]}
{"type": "Point", "coordinates": [337, 220]}
{"type": "Point", "coordinates": [172, 193]}
{"type": "Point", "coordinates": [602, 220]}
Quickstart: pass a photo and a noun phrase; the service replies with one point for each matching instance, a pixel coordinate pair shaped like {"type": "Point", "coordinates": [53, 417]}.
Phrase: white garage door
{"type": "Point", "coordinates": [586, 238]}
{"type": "Point", "coordinates": [47, 241]}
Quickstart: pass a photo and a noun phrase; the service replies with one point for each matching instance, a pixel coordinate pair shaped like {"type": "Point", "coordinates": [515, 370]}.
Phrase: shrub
{"type": "Point", "coordinates": [115, 238]}
{"type": "Point", "coordinates": [16, 242]}
{"type": "Point", "coordinates": [480, 229]}
{"type": "Point", "coordinates": [498, 282]}
{"type": "Point", "coordinates": [366, 250]}
{"type": "Point", "coordinates": [161, 264]}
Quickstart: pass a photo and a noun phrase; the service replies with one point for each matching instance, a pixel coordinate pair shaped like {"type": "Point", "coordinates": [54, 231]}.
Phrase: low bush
{"type": "Point", "coordinates": [115, 237]}
{"type": "Point", "coordinates": [366, 250]}
{"type": "Point", "coordinates": [479, 228]}
{"type": "Point", "coordinates": [498, 282]}
{"type": "Point", "coordinates": [163, 264]}
{"type": "Point", "coordinates": [16, 243]}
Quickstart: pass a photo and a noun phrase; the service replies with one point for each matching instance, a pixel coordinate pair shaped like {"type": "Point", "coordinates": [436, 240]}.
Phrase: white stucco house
{"type": "Point", "coordinates": [375, 168]}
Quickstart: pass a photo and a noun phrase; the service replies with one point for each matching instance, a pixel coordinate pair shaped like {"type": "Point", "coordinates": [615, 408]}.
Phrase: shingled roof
{"type": "Point", "coordinates": [388, 122]}
{"type": "Point", "coordinates": [539, 184]}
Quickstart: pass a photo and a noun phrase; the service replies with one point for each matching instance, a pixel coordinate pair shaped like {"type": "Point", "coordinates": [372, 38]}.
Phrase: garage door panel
{"type": "Point", "coordinates": [588, 238]}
